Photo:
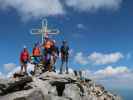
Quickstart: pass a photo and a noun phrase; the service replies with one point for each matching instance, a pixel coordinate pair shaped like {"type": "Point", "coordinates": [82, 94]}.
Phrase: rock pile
{"type": "Point", "coordinates": [52, 86]}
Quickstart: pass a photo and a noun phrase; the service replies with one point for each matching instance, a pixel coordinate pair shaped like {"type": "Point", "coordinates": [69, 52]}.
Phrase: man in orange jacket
{"type": "Point", "coordinates": [36, 55]}
{"type": "Point", "coordinates": [48, 43]}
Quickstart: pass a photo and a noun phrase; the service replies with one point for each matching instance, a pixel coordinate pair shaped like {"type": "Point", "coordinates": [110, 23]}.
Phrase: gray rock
{"type": "Point", "coordinates": [8, 86]}
{"type": "Point", "coordinates": [72, 91]}
{"type": "Point", "coordinates": [35, 95]}
{"type": "Point", "coordinates": [52, 86]}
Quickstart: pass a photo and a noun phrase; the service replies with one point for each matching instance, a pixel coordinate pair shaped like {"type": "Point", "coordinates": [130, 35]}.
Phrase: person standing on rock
{"type": "Point", "coordinates": [47, 53]}
{"type": "Point", "coordinates": [24, 59]}
{"type": "Point", "coordinates": [64, 56]}
{"type": "Point", "coordinates": [36, 54]}
{"type": "Point", "coordinates": [54, 55]}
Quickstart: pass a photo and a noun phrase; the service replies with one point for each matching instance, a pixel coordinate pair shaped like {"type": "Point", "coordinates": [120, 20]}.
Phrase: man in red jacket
{"type": "Point", "coordinates": [24, 59]}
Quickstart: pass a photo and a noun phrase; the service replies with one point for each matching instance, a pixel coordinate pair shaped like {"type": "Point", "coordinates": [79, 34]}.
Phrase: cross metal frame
{"type": "Point", "coordinates": [44, 31]}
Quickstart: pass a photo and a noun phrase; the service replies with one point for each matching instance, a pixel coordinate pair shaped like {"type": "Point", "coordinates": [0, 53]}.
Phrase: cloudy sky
{"type": "Point", "coordinates": [99, 33]}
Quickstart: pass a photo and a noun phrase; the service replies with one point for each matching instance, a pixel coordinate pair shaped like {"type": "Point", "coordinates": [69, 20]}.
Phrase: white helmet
{"type": "Point", "coordinates": [24, 47]}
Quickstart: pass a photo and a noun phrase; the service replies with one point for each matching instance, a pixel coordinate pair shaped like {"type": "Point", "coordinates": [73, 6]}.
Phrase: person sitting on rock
{"type": "Point", "coordinates": [64, 56]}
{"type": "Point", "coordinates": [24, 59]}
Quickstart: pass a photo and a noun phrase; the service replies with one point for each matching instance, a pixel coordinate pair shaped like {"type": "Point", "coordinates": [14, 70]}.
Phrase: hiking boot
{"type": "Point", "coordinates": [67, 72]}
{"type": "Point", "coordinates": [25, 74]}
{"type": "Point", "coordinates": [60, 72]}
{"type": "Point", "coordinates": [32, 73]}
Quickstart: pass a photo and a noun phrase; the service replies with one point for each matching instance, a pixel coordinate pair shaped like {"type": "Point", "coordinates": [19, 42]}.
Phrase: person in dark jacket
{"type": "Point", "coordinates": [64, 56]}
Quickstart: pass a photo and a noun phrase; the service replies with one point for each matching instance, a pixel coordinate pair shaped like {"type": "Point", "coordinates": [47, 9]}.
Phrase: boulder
{"type": "Point", "coordinates": [72, 91]}
{"type": "Point", "coordinates": [34, 94]}
{"type": "Point", "coordinates": [14, 85]}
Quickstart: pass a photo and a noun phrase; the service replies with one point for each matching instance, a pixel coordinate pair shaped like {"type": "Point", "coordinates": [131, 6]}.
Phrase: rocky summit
{"type": "Point", "coordinates": [53, 86]}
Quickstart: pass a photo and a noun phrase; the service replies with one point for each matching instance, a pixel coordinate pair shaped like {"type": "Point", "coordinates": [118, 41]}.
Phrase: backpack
{"type": "Point", "coordinates": [36, 52]}
{"type": "Point", "coordinates": [48, 44]}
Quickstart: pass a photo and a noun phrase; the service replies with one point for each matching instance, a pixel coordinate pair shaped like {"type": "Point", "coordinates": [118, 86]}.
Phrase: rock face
{"type": "Point", "coordinates": [8, 86]}
{"type": "Point", "coordinates": [52, 86]}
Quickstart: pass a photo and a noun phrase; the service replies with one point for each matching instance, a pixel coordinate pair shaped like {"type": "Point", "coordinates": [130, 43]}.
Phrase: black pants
{"type": "Point", "coordinates": [64, 59]}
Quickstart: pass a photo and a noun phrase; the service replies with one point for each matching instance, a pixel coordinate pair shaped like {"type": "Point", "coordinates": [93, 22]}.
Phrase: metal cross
{"type": "Point", "coordinates": [44, 31]}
